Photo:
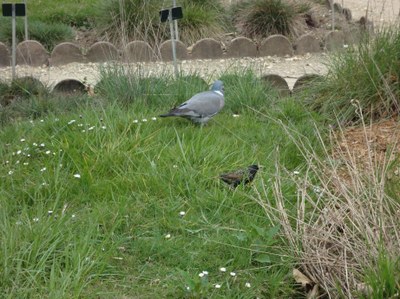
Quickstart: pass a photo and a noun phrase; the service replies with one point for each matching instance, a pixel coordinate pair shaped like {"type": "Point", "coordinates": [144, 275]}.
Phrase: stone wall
{"type": "Point", "coordinates": [32, 53]}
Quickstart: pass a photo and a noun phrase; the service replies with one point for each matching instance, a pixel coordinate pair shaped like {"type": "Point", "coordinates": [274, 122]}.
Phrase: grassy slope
{"type": "Point", "coordinates": [71, 11]}
{"type": "Point", "coordinates": [107, 233]}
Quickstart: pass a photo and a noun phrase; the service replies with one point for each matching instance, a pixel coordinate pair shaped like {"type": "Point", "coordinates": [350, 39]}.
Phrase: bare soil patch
{"type": "Point", "coordinates": [367, 147]}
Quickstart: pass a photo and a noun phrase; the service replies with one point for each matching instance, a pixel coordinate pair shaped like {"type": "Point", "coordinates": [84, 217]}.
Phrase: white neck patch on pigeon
{"type": "Point", "coordinates": [218, 92]}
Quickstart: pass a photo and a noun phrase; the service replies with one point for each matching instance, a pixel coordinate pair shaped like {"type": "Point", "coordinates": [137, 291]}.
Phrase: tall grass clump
{"type": "Point", "coordinates": [245, 89]}
{"type": "Point", "coordinates": [49, 35]}
{"type": "Point", "coordinates": [368, 74]}
{"type": "Point", "coordinates": [261, 18]}
{"type": "Point", "coordinates": [121, 21]}
{"type": "Point", "coordinates": [75, 13]}
{"type": "Point", "coordinates": [202, 19]}
{"type": "Point", "coordinates": [342, 226]}
{"type": "Point", "coordinates": [136, 88]}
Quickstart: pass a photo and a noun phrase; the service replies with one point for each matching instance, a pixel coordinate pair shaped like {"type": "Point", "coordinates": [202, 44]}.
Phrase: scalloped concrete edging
{"type": "Point", "coordinates": [242, 47]}
{"type": "Point", "coordinates": [307, 44]}
{"type": "Point", "coordinates": [5, 59]}
{"type": "Point", "coordinates": [76, 87]}
{"type": "Point", "coordinates": [65, 53]}
{"type": "Point", "coordinates": [138, 51]}
{"type": "Point", "coordinates": [103, 52]}
{"type": "Point", "coordinates": [166, 51]}
{"type": "Point", "coordinates": [277, 82]}
{"type": "Point", "coordinates": [206, 48]}
{"type": "Point", "coordinates": [69, 87]}
{"type": "Point", "coordinates": [334, 40]}
{"type": "Point", "coordinates": [304, 81]}
{"type": "Point", "coordinates": [34, 54]}
{"type": "Point", "coordinates": [276, 45]}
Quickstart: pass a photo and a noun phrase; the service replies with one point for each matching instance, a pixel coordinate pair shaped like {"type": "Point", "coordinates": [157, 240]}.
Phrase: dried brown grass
{"type": "Point", "coordinates": [343, 217]}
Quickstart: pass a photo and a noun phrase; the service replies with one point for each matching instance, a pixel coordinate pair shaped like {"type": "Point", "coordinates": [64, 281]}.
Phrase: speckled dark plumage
{"type": "Point", "coordinates": [241, 176]}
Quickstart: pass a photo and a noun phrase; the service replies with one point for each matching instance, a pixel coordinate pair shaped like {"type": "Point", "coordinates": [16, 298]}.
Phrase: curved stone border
{"type": "Point", "coordinates": [277, 82]}
{"type": "Point", "coordinates": [70, 87]}
{"type": "Point", "coordinates": [65, 53]}
{"type": "Point", "coordinates": [5, 59]}
{"type": "Point", "coordinates": [32, 53]}
{"type": "Point", "coordinates": [307, 44]}
{"type": "Point", "coordinates": [207, 48]}
{"type": "Point", "coordinates": [241, 47]}
{"type": "Point", "coordinates": [304, 81]}
{"type": "Point", "coordinates": [166, 51]}
{"type": "Point", "coordinates": [334, 40]}
{"type": "Point", "coordinates": [138, 51]}
{"type": "Point", "coordinates": [75, 87]}
{"type": "Point", "coordinates": [276, 45]}
{"type": "Point", "coordinates": [102, 52]}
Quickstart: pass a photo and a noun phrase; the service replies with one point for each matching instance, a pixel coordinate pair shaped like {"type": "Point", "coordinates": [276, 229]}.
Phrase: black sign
{"type": "Point", "coordinates": [176, 13]}
{"type": "Point", "coordinates": [19, 9]}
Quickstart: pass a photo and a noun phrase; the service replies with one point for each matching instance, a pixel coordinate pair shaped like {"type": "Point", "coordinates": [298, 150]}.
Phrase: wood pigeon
{"type": "Point", "coordinates": [238, 177]}
{"type": "Point", "coordinates": [202, 106]}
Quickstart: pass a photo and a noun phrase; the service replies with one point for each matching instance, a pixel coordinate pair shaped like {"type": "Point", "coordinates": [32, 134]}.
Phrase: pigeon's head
{"type": "Point", "coordinates": [218, 86]}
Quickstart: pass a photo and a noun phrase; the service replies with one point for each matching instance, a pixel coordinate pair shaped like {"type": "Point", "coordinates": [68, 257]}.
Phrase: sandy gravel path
{"type": "Point", "coordinates": [381, 12]}
{"type": "Point", "coordinates": [289, 68]}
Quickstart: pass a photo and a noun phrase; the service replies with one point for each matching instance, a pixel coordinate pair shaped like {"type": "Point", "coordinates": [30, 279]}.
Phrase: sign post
{"type": "Point", "coordinates": [172, 15]}
{"type": "Point", "coordinates": [26, 22]}
{"type": "Point", "coordinates": [13, 10]}
{"type": "Point", "coordinates": [333, 15]}
{"type": "Point", "coordinates": [175, 22]}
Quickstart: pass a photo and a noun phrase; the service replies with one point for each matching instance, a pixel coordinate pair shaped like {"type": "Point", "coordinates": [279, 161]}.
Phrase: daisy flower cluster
{"type": "Point", "coordinates": [226, 278]}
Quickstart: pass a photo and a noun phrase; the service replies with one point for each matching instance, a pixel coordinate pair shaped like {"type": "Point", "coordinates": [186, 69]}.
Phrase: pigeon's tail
{"type": "Point", "coordinates": [166, 115]}
{"type": "Point", "coordinates": [179, 112]}
{"type": "Point", "coordinates": [173, 112]}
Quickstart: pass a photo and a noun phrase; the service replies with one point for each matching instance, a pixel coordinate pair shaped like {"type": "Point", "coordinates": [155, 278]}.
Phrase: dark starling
{"type": "Point", "coordinates": [242, 176]}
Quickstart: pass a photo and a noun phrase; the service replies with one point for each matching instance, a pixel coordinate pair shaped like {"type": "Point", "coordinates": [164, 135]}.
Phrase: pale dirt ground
{"type": "Point", "coordinates": [382, 12]}
{"type": "Point", "coordinates": [289, 68]}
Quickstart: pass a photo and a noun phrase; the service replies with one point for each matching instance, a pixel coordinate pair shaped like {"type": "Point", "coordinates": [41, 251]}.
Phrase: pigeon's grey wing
{"type": "Point", "coordinates": [206, 103]}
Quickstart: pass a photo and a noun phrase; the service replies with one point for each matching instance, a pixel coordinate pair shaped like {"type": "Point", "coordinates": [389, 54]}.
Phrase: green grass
{"type": "Point", "coordinates": [51, 22]}
{"type": "Point", "coordinates": [383, 279]}
{"type": "Point", "coordinates": [48, 34]}
{"type": "Point", "coordinates": [262, 18]}
{"type": "Point", "coordinates": [139, 20]}
{"type": "Point", "coordinates": [100, 198]}
{"type": "Point", "coordinates": [364, 78]}
{"type": "Point", "coordinates": [117, 230]}
{"type": "Point", "coordinates": [70, 12]}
